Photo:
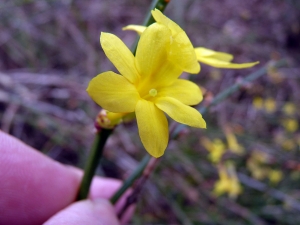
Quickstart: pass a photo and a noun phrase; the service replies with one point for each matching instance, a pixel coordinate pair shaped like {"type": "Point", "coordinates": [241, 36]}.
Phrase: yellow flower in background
{"type": "Point", "coordinates": [259, 168]}
{"type": "Point", "coordinates": [289, 109]}
{"type": "Point", "coordinates": [149, 85]}
{"type": "Point", "coordinates": [204, 55]}
{"type": "Point", "coordinates": [258, 171]}
{"type": "Point", "coordinates": [256, 164]}
{"type": "Point", "coordinates": [216, 148]}
{"type": "Point", "coordinates": [275, 176]}
{"type": "Point", "coordinates": [290, 125]}
{"type": "Point", "coordinates": [260, 157]}
{"type": "Point", "coordinates": [270, 105]}
{"type": "Point", "coordinates": [233, 144]}
{"type": "Point", "coordinates": [288, 144]}
{"type": "Point", "coordinates": [284, 142]}
{"type": "Point", "coordinates": [228, 182]}
{"type": "Point", "coordinates": [258, 103]}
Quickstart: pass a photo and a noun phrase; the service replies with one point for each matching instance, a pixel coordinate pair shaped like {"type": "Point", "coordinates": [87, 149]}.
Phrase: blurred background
{"type": "Point", "coordinates": [243, 169]}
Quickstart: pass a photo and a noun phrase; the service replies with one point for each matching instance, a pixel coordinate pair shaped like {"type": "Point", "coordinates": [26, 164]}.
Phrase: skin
{"type": "Point", "coordinates": [36, 189]}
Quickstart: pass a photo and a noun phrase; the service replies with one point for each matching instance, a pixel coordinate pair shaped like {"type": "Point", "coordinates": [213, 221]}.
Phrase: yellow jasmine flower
{"type": "Point", "coordinates": [275, 176]}
{"type": "Point", "coordinates": [289, 108]}
{"type": "Point", "coordinates": [258, 103]}
{"type": "Point", "coordinates": [284, 142]}
{"type": "Point", "coordinates": [228, 182]}
{"type": "Point", "coordinates": [204, 55]}
{"type": "Point", "coordinates": [290, 125]}
{"type": "Point", "coordinates": [216, 148]}
{"type": "Point", "coordinates": [260, 157]}
{"type": "Point", "coordinates": [149, 85]}
{"type": "Point", "coordinates": [270, 105]}
{"type": "Point", "coordinates": [180, 43]}
{"type": "Point", "coordinates": [233, 144]}
{"type": "Point", "coordinates": [288, 144]}
{"type": "Point", "coordinates": [223, 184]}
{"type": "Point", "coordinates": [259, 173]}
{"type": "Point", "coordinates": [257, 170]}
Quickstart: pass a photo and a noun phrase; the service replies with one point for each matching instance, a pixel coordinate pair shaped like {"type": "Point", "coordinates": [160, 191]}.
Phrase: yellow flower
{"type": "Point", "coordinates": [223, 184]}
{"type": "Point", "coordinates": [233, 144]}
{"type": "Point", "coordinates": [258, 103]}
{"type": "Point", "coordinates": [270, 105]}
{"type": "Point", "coordinates": [289, 109]}
{"type": "Point", "coordinates": [275, 176]}
{"type": "Point", "coordinates": [204, 55]}
{"type": "Point", "coordinates": [216, 148]}
{"type": "Point", "coordinates": [290, 125]}
{"type": "Point", "coordinates": [228, 182]}
{"type": "Point", "coordinates": [260, 157]}
{"type": "Point", "coordinates": [288, 144]}
{"type": "Point", "coordinates": [149, 85]}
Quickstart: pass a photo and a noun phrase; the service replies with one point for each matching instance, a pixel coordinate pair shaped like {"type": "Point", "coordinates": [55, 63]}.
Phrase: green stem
{"type": "Point", "coordinates": [203, 109]}
{"type": "Point", "coordinates": [92, 163]}
{"type": "Point", "coordinates": [130, 180]}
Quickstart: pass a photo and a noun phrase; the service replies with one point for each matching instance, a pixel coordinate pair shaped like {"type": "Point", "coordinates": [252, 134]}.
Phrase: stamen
{"type": "Point", "coordinates": [153, 92]}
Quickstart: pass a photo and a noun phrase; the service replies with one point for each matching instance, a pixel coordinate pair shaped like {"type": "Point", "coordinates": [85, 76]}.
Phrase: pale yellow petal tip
{"type": "Point", "coordinates": [156, 11]}
{"type": "Point", "coordinates": [250, 64]}
{"type": "Point", "coordinates": [203, 124]}
{"type": "Point", "coordinates": [137, 28]}
{"type": "Point", "coordinates": [104, 35]}
{"type": "Point", "coordinates": [246, 65]}
{"type": "Point", "coordinates": [156, 154]}
{"type": "Point", "coordinates": [196, 69]}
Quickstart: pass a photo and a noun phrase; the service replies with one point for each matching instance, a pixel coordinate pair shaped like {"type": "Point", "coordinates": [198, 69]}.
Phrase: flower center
{"type": "Point", "coordinates": [153, 92]}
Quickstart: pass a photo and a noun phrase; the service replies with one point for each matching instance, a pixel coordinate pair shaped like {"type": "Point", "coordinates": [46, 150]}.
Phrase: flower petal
{"type": "Point", "coordinates": [113, 92]}
{"type": "Point", "coordinates": [219, 59]}
{"type": "Point", "coordinates": [137, 28]}
{"type": "Point", "coordinates": [222, 64]}
{"type": "Point", "coordinates": [162, 19]}
{"type": "Point", "coordinates": [184, 91]}
{"type": "Point", "coordinates": [183, 53]}
{"type": "Point", "coordinates": [205, 52]}
{"type": "Point", "coordinates": [153, 127]}
{"type": "Point", "coordinates": [180, 112]}
{"type": "Point", "coordinates": [120, 56]}
{"type": "Point", "coordinates": [182, 50]}
{"type": "Point", "coordinates": [152, 50]}
{"type": "Point", "coordinates": [165, 76]}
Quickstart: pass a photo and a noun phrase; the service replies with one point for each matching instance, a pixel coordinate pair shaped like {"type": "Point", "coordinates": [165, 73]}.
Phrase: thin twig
{"type": "Point", "coordinates": [138, 185]}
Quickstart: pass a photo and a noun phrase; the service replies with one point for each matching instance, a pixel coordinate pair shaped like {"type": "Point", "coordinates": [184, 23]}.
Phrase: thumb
{"type": "Point", "coordinates": [98, 211]}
